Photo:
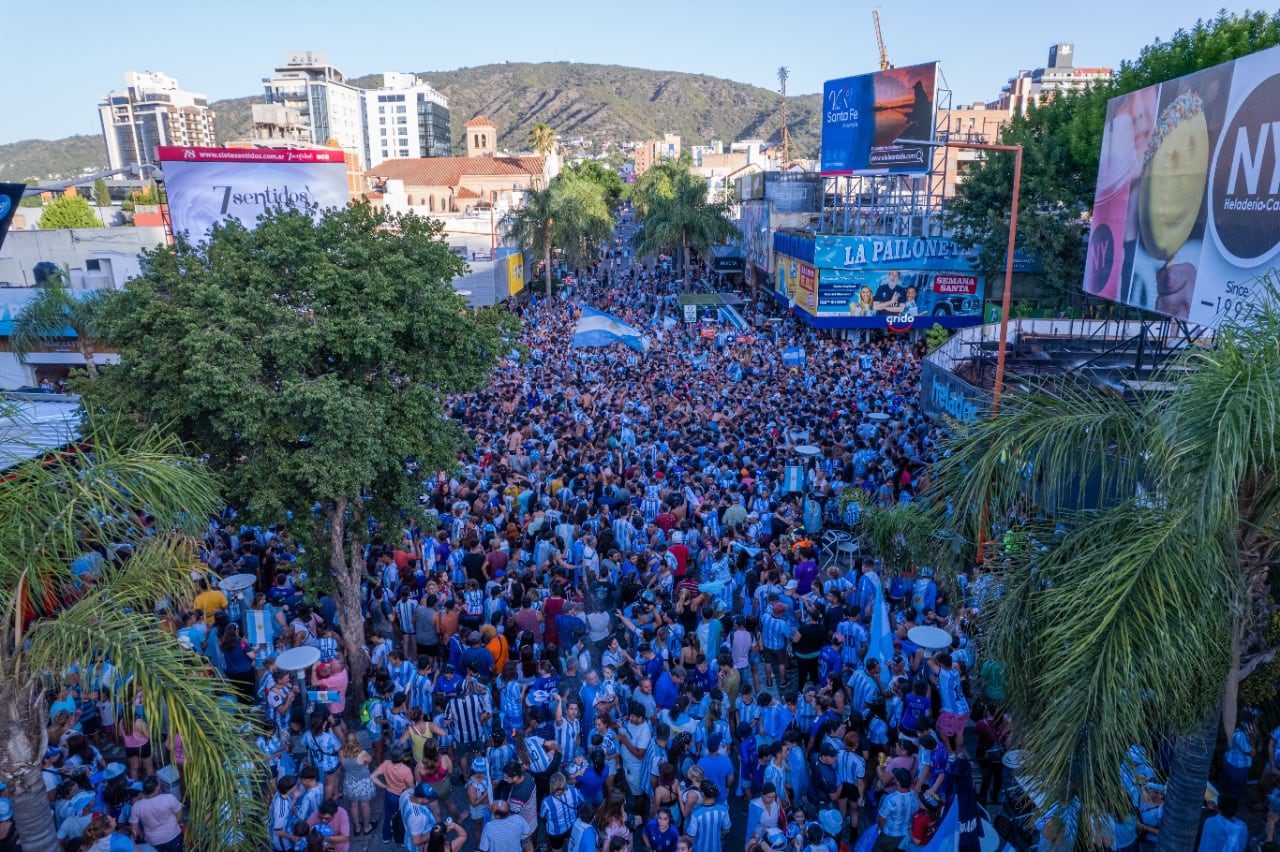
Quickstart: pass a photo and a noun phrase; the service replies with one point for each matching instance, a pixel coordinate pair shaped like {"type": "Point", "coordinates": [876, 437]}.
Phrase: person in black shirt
{"type": "Point", "coordinates": [806, 643]}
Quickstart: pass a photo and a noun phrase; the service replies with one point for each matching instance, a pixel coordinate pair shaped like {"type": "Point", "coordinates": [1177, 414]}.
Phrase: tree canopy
{"type": "Point", "coordinates": [69, 211]}
{"type": "Point", "coordinates": [1062, 141]}
{"type": "Point", "coordinates": [309, 359]}
{"type": "Point", "coordinates": [675, 214]}
{"type": "Point", "coordinates": [104, 614]}
{"type": "Point", "coordinates": [1138, 594]}
{"type": "Point", "coordinates": [572, 214]}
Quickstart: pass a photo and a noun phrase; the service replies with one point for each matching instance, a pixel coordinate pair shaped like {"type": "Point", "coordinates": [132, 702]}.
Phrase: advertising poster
{"type": "Point", "coordinates": [797, 281]}
{"type": "Point", "coordinates": [208, 185]}
{"type": "Point", "coordinates": [898, 297]}
{"type": "Point", "coordinates": [10, 196]}
{"type": "Point", "coordinates": [754, 224]}
{"type": "Point", "coordinates": [515, 273]}
{"type": "Point", "coordinates": [867, 119]}
{"type": "Point", "coordinates": [1187, 206]}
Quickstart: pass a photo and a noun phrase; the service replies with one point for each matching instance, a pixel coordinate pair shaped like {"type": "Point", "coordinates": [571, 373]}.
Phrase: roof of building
{"type": "Point", "coordinates": [449, 171]}
{"type": "Point", "coordinates": [479, 121]}
{"type": "Point", "coordinates": [464, 192]}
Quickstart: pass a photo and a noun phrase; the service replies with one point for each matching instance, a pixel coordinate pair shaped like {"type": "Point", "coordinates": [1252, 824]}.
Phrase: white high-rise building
{"type": "Point", "coordinates": [309, 101]}
{"type": "Point", "coordinates": [405, 118]}
{"type": "Point", "coordinates": [151, 111]}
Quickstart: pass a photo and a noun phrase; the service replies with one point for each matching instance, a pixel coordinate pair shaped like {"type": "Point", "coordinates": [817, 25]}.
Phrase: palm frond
{"type": "Point", "coordinates": [1116, 634]}
{"type": "Point", "coordinates": [1061, 447]}
{"type": "Point", "coordinates": [96, 493]}
{"type": "Point", "coordinates": [178, 695]}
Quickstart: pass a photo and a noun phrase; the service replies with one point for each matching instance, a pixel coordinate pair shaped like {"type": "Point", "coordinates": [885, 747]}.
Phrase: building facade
{"type": "Point", "coordinates": [404, 118]}
{"type": "Point", "coordinates": [310, 101]}
{"type": "Point", "coordinates": [152, 110]}
{"type": "Point", "coordinates": [1036, 87]}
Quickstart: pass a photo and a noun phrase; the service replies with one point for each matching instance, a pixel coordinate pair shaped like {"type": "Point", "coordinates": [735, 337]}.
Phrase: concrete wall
{"type": "Point", "coordinates": [115, 250]}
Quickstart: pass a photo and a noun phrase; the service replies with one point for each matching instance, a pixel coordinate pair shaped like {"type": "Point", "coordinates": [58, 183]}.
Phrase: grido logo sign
{"type": "Point", "coordinates": [1244, 207]}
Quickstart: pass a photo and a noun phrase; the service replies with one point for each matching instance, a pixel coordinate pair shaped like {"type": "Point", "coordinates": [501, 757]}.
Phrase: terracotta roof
{"type": "Point", "coordinates": [479, 121]}
{"type": "Point", "coordinates": [465, 192]}
{"type": "Point", "coordinates": [449, 171]}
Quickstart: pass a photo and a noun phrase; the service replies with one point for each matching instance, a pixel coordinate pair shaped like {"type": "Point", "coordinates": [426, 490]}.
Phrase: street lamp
{"type": "Point", "coordinates": [1003, 345]}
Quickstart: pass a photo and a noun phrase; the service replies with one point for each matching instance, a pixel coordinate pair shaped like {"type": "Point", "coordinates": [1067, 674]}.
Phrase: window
{"type": "Point", "coordinates": [400, 108]}
{"type": "Point", "coordinates": [382, 121]}
{"type": "Point", "coordinates": [384, 131]}
{"type": "Point", "coordinates": [381, 110]}
{"type": "Point", "coordinates": [402, 120]}
{"type": "Point", "coordinates": [385, 153]}
{"type": "Point", "coordinates": [404, 152]}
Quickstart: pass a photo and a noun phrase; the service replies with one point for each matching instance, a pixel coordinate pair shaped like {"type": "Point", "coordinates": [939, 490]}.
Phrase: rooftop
{"type": "Point", "coordinates": [449, 171]}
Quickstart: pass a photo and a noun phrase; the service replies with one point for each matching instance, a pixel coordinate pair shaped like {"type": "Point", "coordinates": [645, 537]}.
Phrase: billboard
{"type": "Point", "coordinates": [1187, 207]}
{"type": "Point", "coordinates": [208, 185]}
{"type": "Point", "coordinates": [10, 196]}
{"type": "Point", "coordinates": [756, 242]}
{"type": "Point", "coordinates": [797, 282]}
{"type": "Point", "coordinates": [513, 265]}
{"type": "Point", "coordinates": [895, 282]}
{"type": "Point", "coordinates": [868, 121]}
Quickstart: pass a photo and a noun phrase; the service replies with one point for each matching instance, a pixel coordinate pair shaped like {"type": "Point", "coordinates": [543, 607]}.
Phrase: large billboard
{"type": "Point", "coordinates": [868, 121]}
{"type": "Point", "coordinates": [754, 224]}
{"type": "Point", "coordinates": [208, 185]}
{"type": "Point", "coordinates": [1187, 208]}
{"type": "Point", "coordinates": [895, 282]}
{"type": "Point", "coordinates": [10, 196]}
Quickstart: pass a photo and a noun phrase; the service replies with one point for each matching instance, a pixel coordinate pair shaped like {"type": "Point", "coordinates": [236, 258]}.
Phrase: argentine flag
{"type": "Point", "coordinates": [880, 645]}
{"type": "Point", "coordinates": [596, 328]}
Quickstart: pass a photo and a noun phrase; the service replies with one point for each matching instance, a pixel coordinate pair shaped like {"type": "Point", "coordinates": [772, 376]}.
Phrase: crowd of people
{"type": "Point", "coordinates": [619, 628]}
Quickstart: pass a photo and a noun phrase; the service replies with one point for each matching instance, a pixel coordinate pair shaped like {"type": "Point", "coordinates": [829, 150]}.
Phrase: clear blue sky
{"type": "Point", "coordinates": [71, 52]}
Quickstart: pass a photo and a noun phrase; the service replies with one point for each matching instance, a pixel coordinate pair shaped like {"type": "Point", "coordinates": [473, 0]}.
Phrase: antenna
{"type": "Point", "coordinates": [783, 73]}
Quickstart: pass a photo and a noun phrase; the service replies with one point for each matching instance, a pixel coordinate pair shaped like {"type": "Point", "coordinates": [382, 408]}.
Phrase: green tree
{"type": "Point", "coordinates": [1062, 141]}
{"type": "Point", "coordinates": [55, 311]}
{"type": "Point", "coordinates": [571, 215]}
{"type": "Point", "coordinates": [1136, 607]}
{"type": "Point", "coordinates": [310, 360]}
{"type": "Point", "coordinates": [542, 139]}
{"type": "Point", "coordinates": [676, 216]}
{"type": "Point", "coordinates": [597, 172]}
{"type": "Point", "coordinates": [101, 194]}
{"type": "Point", "coordinates": [57, 509]}
{"type": "Point", "coordinates": [69, 211]}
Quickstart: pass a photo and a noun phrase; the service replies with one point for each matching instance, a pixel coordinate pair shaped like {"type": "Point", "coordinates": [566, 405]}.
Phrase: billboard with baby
{"type": "Point", "coordinates": [1186, 215]}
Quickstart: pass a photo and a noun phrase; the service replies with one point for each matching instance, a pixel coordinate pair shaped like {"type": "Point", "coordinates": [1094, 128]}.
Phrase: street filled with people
{"type": "Point", "coordinates": [638, 615]}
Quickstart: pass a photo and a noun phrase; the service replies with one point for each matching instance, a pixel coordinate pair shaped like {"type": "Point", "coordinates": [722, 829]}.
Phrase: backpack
{"type": "Point", "coordinates": [923, 827]}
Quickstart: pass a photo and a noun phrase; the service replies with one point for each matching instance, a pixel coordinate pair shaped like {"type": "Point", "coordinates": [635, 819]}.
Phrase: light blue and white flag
{"type": "Point", "coordinates": [793, 356]}
{"type": "Point", "coordinates": [880, 645]}
{"type": "Point", "coordinates": [947, 837]}
{"type": "Point", "coordinates": [596, 328]}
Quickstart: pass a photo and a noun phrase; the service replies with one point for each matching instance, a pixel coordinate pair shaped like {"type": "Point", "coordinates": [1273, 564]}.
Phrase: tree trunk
{"type": "Point", "coordinates": [346, 578]}
{"type": "Point", "coordinates": [1184, 795]}
{"type": "Point", "coordinates": [25, 738]}
{"type": "Point", "coordinates": [86, 350]}
{"type": "Point", "coordinates": [547, 266]}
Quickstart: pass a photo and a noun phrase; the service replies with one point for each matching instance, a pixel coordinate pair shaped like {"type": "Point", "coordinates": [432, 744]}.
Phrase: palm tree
{"type": "Point", "coordinates": [56, 313]}
{"type": "Point", "coordinates": [542, 139]}
{"type": "Point", "coordinates": [571, 214]}
{"type": "Point", "coordinates": [1131, 611]}
{"type": "Point", "coordinates": [678, 216]}
{"type": "Point", "coordinates": [66, 506]}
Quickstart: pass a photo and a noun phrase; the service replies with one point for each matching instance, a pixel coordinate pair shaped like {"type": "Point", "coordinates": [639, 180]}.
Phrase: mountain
{"type": "Point", "coordinates": [606, 103]}
{"type": "Point", "coordinates": [50, 158]}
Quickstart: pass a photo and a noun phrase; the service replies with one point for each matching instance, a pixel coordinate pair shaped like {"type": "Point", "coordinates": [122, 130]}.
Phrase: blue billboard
{"type": "Point", "coordinates": [868, 121]}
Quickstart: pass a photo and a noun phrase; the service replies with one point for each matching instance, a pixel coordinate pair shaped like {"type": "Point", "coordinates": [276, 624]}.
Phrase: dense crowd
{"type": "Point", "coordinates": [622, 627]}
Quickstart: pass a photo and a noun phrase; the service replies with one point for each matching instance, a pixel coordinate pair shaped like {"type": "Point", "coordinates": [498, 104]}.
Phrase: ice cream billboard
{"type": "Point", "coordinates": [1186, 214]}
{"type": "Point", "coordinates": [869, 121]}
{"type": "Point", "coordinates": [207, 185]}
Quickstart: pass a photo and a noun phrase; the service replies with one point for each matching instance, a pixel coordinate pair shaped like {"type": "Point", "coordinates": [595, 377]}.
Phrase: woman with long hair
{"type": "Point", "coordinates": [666, 793]}
{"type": "Point", "coordinates": [237, 663]}
{"type": "Point", "coordinates": [358, 788]}
{"type": "Point", "coordinates": [611, 818]}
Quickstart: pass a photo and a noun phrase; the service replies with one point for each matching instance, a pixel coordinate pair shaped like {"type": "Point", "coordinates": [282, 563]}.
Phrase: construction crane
{"type": "Point", "coordinates": [885, 64]}
{"type": "Point", "coordinates": [783, 73]}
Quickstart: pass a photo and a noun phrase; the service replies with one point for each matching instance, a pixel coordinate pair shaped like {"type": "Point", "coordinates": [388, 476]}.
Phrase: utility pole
{"type": "Point", "coordinates": [783, 73]}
